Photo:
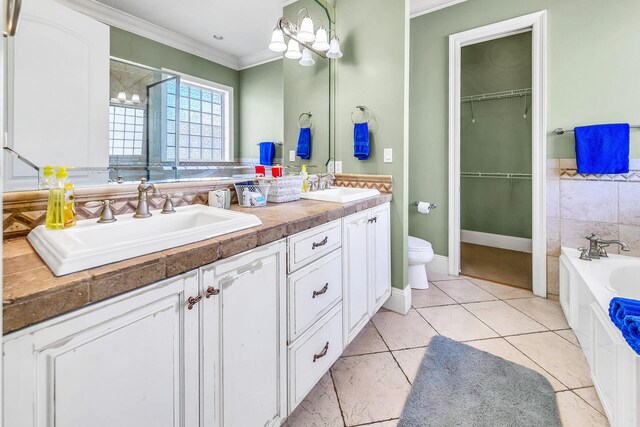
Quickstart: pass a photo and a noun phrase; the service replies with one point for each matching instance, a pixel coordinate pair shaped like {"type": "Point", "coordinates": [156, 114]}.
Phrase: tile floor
{"type": "Point", "coordinates": [370, 382]}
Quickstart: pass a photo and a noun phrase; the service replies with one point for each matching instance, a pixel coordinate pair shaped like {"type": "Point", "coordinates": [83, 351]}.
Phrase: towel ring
{"type": "Point", "coordinates": [363, 110]}
{"type": "Point", "coordinates": [301, 116]}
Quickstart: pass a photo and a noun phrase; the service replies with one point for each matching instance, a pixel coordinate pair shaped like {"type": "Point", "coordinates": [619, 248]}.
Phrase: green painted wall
{"type": "Point", "coordinates": [306, 89]}
{"type": "Point", "coordinates": [591, 73]}
{"type": "Point", "coordinates": [374, 35]}
{"type": "Point", "coordinates": [138, 49]}
{"type": "Point", "coordinates": [496, 137]}
{"type": "Point", "coordinates": [261, 107]}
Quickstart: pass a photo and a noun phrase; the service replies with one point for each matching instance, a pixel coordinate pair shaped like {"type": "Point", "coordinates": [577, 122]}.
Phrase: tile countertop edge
{"type": "Point", "coordinates": [32, 294]}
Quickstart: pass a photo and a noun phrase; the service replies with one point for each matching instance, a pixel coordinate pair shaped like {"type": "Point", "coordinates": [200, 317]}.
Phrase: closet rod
{"type": "Point", "coordinates": [497, 95]}
{"type": "Point", "coordinates": [507, 175]}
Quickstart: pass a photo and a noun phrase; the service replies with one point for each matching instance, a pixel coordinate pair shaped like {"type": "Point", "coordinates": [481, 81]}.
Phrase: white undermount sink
{"type": "Point", "coordinates": [90, 244]}
{"type": "Point", "coordinates": [341, 194]}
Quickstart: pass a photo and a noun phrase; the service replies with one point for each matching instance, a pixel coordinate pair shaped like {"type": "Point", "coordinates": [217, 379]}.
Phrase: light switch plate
{"type": "Point", "coordinates": [338, 165]}
{"type": "Point", "coordinates": [388, 155]}
{"type": "Point", "coordinates": [292, 155]}
{"type": "Point", "coordinates": [331, 167]}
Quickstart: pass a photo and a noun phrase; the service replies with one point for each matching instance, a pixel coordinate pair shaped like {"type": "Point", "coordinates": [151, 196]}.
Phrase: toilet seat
{"type": "Point", "coordinates": [420, 253]}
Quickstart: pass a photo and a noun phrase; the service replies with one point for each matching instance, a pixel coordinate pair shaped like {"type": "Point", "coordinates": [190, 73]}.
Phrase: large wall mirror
{"type": "Point", "coordinates": [115, 101]}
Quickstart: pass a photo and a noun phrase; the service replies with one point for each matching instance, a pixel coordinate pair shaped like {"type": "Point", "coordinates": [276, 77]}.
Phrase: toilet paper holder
{"type": "Point", "coordinates": [431, 205]}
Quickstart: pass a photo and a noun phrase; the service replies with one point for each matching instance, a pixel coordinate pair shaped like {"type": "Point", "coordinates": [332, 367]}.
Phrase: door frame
{"type": "Point", "coordinates": [537, 23]}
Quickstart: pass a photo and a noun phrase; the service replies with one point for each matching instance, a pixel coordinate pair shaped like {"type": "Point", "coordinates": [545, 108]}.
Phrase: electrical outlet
{"type": "Point", "coordinates": [338, 166]}
{"type": "Point", "coordinates": [388, 155]}
{"type": "Point", "coordinates": [292, 155]}
{"type": "Point", "coordinates": [331, 167]}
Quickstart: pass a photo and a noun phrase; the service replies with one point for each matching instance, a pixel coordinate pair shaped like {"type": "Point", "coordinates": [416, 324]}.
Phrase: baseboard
{"type": "Point", "coordinates": [399, 300]}
{"type": "Point", "coordinates": [496, 240]}
{"type": "Point", "coordinates": [439, 264]}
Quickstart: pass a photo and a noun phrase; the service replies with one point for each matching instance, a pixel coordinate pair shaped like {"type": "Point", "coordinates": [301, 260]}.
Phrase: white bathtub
{"type": "Point", "coordinates": [586, 288]}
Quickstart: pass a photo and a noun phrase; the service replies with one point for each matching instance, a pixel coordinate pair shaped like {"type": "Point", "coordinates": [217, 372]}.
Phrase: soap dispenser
{"type": "Point", "coordinates": [305, 178]}
{"type": "Point", "coordinates": [55, 206]}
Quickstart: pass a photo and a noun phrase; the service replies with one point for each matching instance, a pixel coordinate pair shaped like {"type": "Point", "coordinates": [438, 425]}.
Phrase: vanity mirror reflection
{"type": "Point", "coordinates": [117, 91]}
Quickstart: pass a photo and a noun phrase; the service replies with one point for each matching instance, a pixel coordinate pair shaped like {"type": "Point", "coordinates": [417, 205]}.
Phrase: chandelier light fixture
{"type": "Point", "coordinates": [302, 35]}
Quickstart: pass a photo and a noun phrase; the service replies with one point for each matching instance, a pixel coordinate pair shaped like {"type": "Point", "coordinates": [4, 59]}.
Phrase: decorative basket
{"type": "Point", "coordinates": [284, 188]}
{"type": "Point", "coordinates": [251, 194]}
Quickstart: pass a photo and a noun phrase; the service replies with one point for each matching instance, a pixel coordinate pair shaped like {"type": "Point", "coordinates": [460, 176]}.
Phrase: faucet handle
{"type": "Point", "coordinates": [106, 214]}
{"type": "Point", "coordinates": [592, 237]}
{"type": "Point", "coordinates": [168, 208]}
{"type": "Point", "coordinates": [584, 254]}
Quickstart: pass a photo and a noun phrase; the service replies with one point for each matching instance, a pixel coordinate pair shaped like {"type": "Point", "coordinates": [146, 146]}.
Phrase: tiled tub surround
{"type": "Point", "coordinates": [32, 294]}
{"type": "Point", "coordinates": [578, 205]}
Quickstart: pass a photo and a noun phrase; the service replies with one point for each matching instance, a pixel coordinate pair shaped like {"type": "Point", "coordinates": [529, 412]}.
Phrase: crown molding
{"type": "Point", "coordinates": [119, 19]}
{"type": "Point", "coordinates": [422, 7]}
{"type": "Point", "coordinates": [259, 58]}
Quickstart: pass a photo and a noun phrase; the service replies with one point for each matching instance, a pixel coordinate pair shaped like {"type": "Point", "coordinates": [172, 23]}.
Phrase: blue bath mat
{"type": "Point", "coordinates": [458, 385]}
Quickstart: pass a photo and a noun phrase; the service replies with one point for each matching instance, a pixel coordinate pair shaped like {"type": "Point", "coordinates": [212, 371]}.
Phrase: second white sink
{"type": "Point", "coordinates": [341, 194]}
{"type": "Point", "coordinates": [90, 244]}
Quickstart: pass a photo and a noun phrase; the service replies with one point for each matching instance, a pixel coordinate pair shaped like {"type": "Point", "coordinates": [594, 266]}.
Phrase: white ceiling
{"type": "Point", "coordinates": [189, 25]}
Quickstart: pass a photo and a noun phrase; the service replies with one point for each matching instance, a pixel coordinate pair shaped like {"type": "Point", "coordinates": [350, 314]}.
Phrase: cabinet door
{"type": "Point", "coordinates": [129, 361]}
{"type": "Point", "coordinates": [252, 337]}
{"type": "Point", "coordinates": [355, 255]}
{"type": "Point", "coordinates": [380, 246]}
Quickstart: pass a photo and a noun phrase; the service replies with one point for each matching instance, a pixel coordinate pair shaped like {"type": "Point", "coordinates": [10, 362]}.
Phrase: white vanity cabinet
{"type": "Point", "coordinates": [128, 361]}
{"type": "Point", "coordinates": [244, 349]}
{"type": "Point", "coordinates": [366, 253]}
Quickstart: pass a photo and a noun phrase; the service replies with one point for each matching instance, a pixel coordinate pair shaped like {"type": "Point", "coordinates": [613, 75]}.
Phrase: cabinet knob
{"type": "Point", "coordinates": [212, 291]}
{"type": "Point", "coordinates": [193, 301]}
{"type": "Point", "coordinates": [320, 243]}
{"type": "Point", "coordinates": [321, 291]}
{"type": "Point", "coordinates": [322, 354]}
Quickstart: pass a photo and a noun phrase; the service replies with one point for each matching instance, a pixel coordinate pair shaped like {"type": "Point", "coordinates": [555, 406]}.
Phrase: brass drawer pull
{"type": "Point", "coordinates": [321, 243]}
{"type": "Point", "coordinates": [321, 291]}
{"type": "Point", "coordinates": [212, 291]}
{"type": "Point", "coordinates": [322, 354]}
{"type": "Point", "coordinates": [193, 301]}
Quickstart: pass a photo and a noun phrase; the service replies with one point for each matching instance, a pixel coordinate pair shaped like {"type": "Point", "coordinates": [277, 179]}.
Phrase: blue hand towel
{"type": "Point", "coordinates": [267, 153]}
{"type": "Point", "coordinates": [619, 308]}
{"type": "Point", "coordinates": [602, 149]}
{"type": "Point", "coordinates": [304, 144]}
{"type": "Point", "coordinates": [361, 146]}
{"type": "Point", "coordinates": [632, 332]}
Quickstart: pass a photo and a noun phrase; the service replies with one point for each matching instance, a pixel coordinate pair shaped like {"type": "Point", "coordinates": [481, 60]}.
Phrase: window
{"type": "Point", "coordinates": [201, 130]}
{"type": "Point", "coordinates": [126, 129]}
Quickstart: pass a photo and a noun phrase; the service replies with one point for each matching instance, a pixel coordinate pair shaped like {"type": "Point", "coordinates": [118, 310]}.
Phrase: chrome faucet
{"type": "Point", "coordinates": [597, 248]}
{"type": "Point", "coordinates": [142, 210]}
{"type": "Point", "coordinates": [325, 180]}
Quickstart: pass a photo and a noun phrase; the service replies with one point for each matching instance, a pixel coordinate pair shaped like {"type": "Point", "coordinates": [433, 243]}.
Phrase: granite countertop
{"type": "Point", "coordinates": [31, 293]}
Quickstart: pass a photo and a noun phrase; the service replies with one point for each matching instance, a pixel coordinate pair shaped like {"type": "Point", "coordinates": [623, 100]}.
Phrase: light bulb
{"type": "Point", "coordinates": [334, 49]}
{"type": "Point", "coordinates": [277, 41]}
{"type": "Point", "coordinates": [135, 98]}
{"type": "Point", "coordinates": [321, 44]}
{"type": "Point", "coordinates": [293, 51]}
{"type": "Point", "coordinates": [122, 97]}
{"type": "Point", "coordinates": [306, 30]}
{"type": "Point", "coordinates": [307, 59]}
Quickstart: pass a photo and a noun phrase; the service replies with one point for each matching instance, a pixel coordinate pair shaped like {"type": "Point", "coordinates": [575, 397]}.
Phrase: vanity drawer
{"type": "Point", "coordinates": [310, 245]}
{"type": "Point", "coordinates": [313, 290]}
{"type": "Point", "coordinates": [313, 354]}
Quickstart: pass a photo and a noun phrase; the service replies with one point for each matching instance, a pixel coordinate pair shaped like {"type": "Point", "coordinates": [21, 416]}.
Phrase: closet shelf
{"type": "Point", "coordinates": [497, 95]}
{"type": "Point", "coordinates": [496, 175]}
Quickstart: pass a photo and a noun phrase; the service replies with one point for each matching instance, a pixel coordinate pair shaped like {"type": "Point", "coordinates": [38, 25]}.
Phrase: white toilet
{"type": "Point", "coordinates": [420, 253]}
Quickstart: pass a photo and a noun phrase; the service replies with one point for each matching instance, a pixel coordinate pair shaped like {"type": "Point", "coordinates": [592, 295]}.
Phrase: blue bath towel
{"type": "Point", "coordinates": [619, 308]}
{"type": "Point", "coordinates": [602, 149]}
{"type": "Point", "coordinates": [304, 144]}
{"type": "Point", "coordinates": [361, 146]}
{"type": "Point", "coordinates": [267, 153]}
{"type": "Point", "coordinates": [632, 332]}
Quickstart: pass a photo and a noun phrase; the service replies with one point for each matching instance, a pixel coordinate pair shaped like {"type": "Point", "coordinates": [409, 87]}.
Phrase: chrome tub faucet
{"type": "Point", "coordinates": [597, 248]}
